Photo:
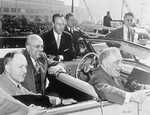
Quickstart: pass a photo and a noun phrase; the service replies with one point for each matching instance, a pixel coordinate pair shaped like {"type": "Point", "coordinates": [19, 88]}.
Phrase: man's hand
{"type": "Point", "coordinates": [56, 100]}
{"type": "Point", "coordinates": [147, 87]}
{"type": "Point", "coordinates": [68, 101]}
{"type": "Point", "coordinates": [56, 69]}
{"type": "Point", "coordinates": [138, 96]}
{"type": "Point", "coordinates": [36, 110]}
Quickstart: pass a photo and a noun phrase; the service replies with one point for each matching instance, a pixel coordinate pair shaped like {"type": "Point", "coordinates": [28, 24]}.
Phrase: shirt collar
{"type": "Point", "coordinates": [68, 28]}
{"type": "Point", "coordinates": [56, 35]}
{"type": "Point", "coordinates": [125, 28]}
{"type": "Point", "coordinates": [33, 61]}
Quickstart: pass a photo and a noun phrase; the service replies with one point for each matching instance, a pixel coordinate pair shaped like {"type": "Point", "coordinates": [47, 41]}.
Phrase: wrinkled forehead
{"type": "Point", "coordinates": [19, 59]}
{"type": "Point", "coordinates": [116, 56]}
{"type": "Point", "coordinates": [36, 41]}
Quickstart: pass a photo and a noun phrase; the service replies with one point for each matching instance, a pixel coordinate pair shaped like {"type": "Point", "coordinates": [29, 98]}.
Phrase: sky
{"type": "Point", "coordinates": [140, 8]}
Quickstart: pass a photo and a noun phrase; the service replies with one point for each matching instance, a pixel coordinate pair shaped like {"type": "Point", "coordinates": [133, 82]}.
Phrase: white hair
{"type": "Point", "coordinates": [106, 53]}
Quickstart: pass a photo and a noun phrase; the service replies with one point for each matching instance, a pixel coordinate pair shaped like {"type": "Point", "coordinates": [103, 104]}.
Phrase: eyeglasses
{"type": "Point", "coordinates": [38, 46]}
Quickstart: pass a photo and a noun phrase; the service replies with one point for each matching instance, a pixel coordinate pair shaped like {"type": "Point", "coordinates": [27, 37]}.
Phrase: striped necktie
{"type": "Point", "coordinates": [37, 77]}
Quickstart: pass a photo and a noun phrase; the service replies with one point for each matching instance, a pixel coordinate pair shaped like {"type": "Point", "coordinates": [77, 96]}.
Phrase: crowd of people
{"type": "Point", "coordinates": [27, 72]}
{"type": "Point", "coordinates": [13, 26]}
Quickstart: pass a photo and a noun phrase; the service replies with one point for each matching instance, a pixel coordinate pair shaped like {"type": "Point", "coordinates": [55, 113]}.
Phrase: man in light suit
{"type": "Point", "coordinates": [75, 32]}
{"type": "Point", "coordinates": [11, 106]}
{"type": "Point", "coordinates": [126, 32]}
{"type": "Point", "coordinates": [34, 54]}
{"type": "Point", "coordinates": [57, 41]}
{"type": "Point", "coordinates": [14, 73]}
{"type": "Point", "coordinates": [108, 83]}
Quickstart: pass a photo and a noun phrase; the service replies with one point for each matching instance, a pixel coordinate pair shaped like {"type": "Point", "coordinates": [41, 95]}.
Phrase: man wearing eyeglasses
{"type": "Point", "coordinates": [37, 65]}
{"type": "Point", "coordinates": [125, 32]}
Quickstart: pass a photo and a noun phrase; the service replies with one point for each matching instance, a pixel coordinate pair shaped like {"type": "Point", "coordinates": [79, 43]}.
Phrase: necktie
{"type": "Point", "coordinates": [37, 77]}
{"type": "Point", "coordinates": [37, 66]}
{"type": "Point", "coordinates": [18, 86]}
{"type": "Point", "coordinates": [118, 82]}
{"type": "Point", "coordinates": [129, 34]}
{"type": "Point", "coordinates": [71, 30]}
{"type": "Point", "coordinates": [58, 41]}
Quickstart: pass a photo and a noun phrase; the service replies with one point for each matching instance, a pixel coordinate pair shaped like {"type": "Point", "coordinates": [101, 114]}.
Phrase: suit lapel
{"type": "Point", "coordinates": [66, 29]}
{"type": "Point", "coordinates": [28, 59]}
{"type": "Point", "coordinates": [10, 87]}
{"type": "Point", "coordinates": [121, 33]}
{"type": "Point", "coordinates": [53, 40]}
{"type": "Point", "coordinates": [112, 81]}
{"type": "Point", "coordinates": [30, 72]}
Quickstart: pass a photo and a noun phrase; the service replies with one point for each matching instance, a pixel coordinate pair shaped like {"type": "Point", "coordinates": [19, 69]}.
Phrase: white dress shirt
{"type": "Point", "coordinates": [125, 33]}
{"type": "Point", "coordinates": [56, 35]}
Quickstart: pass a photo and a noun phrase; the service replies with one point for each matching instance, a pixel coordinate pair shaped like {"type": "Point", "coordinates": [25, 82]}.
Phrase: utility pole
{"type": "Point", "coordinates": [72, 6]}
{"type": "Point", "coordinates": [109, 5]}
{"type": "Point", "coordinates": [89, 11]}
{"type": "Point", "coordinates": [122, 9]}
{"type": "Point", "coordinates": [142, 4]}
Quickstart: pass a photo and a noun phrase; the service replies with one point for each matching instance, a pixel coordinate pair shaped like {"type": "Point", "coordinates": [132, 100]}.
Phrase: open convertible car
{"type": "Point", "coordinates": [74, 84]}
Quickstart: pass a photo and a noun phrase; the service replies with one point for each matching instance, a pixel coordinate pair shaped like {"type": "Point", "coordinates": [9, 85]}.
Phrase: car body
{"type": "Point", "coordinates": [68, 86]}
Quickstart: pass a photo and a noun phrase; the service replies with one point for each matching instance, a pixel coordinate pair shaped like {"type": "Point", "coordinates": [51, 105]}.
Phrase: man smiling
{"type": "Point", "coordinates": [107, 81]}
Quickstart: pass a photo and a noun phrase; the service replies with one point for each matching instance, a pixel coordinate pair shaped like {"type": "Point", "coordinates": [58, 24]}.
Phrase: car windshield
{"type": "Point", "coordinates": [129, 51]}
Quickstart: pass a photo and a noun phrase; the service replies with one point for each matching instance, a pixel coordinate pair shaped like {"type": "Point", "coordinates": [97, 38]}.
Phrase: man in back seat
{"type": "Point", "coordinates": [108, 83]}
{"type": "Point", "coordinates": [14, 73]}
{"type": "Point", "coordinates": [37, 65]}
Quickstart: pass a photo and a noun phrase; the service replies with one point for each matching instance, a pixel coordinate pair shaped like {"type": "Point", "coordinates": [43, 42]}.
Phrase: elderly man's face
{"type": "Point", "coordinates": [17, 68]}
{"type": "Point", "coordinates": [128, 21]}
{"type": "Point", "coordinates": [113, 65]}
{"type": "Point", "coordinates": [59, 25]}
{"type": "Point", "coordinates": [35, 48]}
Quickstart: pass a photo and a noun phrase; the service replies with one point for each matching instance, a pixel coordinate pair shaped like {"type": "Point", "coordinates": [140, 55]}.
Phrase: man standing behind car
{"type": "Point", "coordinates": [75, 32]}
{"type": "Point", "coordinates": [107, 22]}
{"type": "Point", "coordinates": [58, 42]}
{"type": "Point", "coordinates": [126, 32]}
{"type": "Point", "coordinates": [108, 83]}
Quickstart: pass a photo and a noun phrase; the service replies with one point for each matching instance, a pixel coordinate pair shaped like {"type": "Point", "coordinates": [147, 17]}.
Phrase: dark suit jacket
{"type": "Point", "coordinates": [66, 46]}
{"type": "Point", "coordinates": [29, 82]}
{"type": "Point", "coordinates": [106, 87]}
{"type": "Point", "coordinates": [106, 21]}
{"type": "Point", "coordinates": [118, 34]}
{"type": "Point", "coordinates": [76, 34]}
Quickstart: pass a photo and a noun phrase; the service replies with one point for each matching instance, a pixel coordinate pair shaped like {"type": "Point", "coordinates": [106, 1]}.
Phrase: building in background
{"type": "Point", "coordinates": [40, 9]}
